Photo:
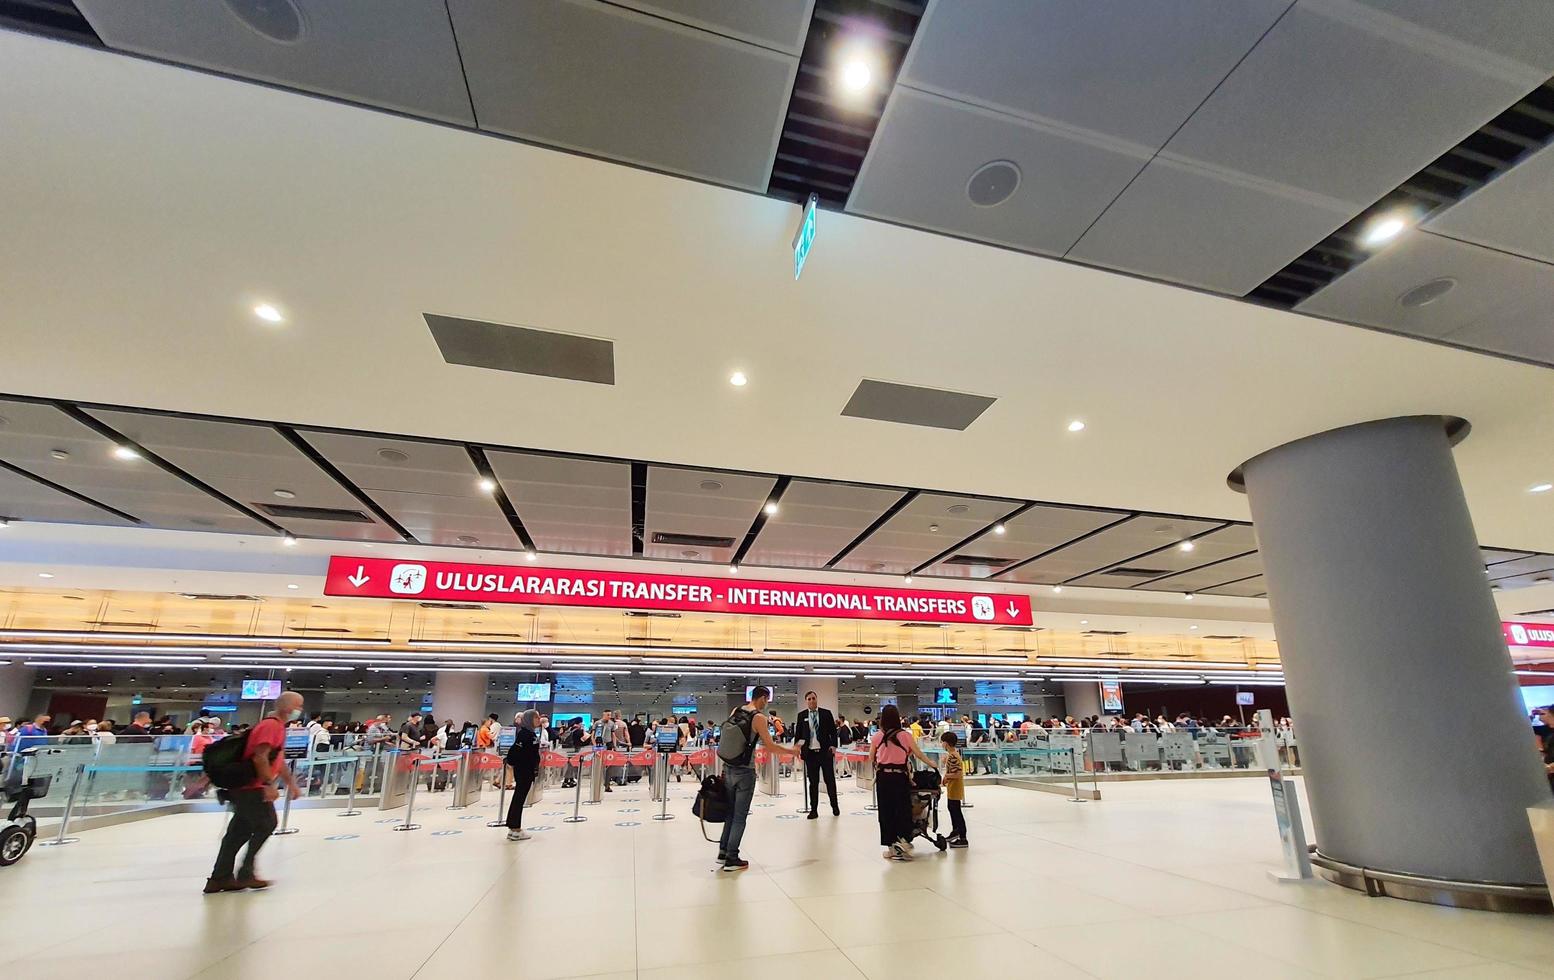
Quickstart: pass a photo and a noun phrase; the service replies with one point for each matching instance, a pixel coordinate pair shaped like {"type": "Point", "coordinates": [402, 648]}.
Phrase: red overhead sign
{"type": "Point", "coordinates": [387, 578]}
{"type": "Point", "coordinates": [1529, 634]}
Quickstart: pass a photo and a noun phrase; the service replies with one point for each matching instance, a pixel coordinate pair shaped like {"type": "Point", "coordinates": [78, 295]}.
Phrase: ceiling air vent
{"type": "Point", "coordinates": [314, 513]}
{"type": "Point", "coordinates": [1106, 632]}
{"type": "Point", "coordinates": [922, 626]}
{"type": "Point", "coordinates": [979, 561]}
{"type": "Point", "coordinates": [650, 615]}
{"type": "Point", "coordinates": [473, 606]}
{"type": "Point", "coordinates": [120, 624]}
{"type": "Point", "coordinates": [1015, 650]}
{"type": "Point", "coordinates": [320, 629]}
{"type": "Point", "coordinates": [504, 636]}
{"type": "Point", "coordinates": [1021, 629]}
{"type": "Point", "coordinates": [1223, 636]}
{"type": "Point", "coordinates": [696, 540]}
{"type": "Point", "coordinates": [938, 648]}
{"type": "Point", "coordinates": [935, 408]}
{"type": "Point", "coordinates": [523, 350]}
{"type": "Point", "coordinates": [865, 646]}
{"type": "Point", "coordinates": [1131, 572]}
{"type": "Point", "coordinates": [217, 597]}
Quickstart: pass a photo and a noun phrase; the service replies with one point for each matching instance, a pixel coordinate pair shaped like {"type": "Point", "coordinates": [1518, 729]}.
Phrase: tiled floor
{"type": "Point", "coordinates": [1159, 877]}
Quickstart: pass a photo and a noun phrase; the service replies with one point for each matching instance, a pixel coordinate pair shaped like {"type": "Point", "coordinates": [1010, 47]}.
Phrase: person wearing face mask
{"type": "Point", "coordinates": [524, 759]}
{"type": "Point", "coordinates": [253, 803]}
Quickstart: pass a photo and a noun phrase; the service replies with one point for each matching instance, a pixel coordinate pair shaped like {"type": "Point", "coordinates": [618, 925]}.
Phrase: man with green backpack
{"type": "Point", "coordinates": [746, 728]}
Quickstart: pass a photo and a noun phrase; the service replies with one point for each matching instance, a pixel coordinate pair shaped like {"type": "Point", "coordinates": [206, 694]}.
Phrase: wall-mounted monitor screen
{"type": "Point", "coordinates": [261, 690]}
{"type": "Point", "coordinates": [534, 692]}
{"type": "Point", "coordinates": [946, 695]}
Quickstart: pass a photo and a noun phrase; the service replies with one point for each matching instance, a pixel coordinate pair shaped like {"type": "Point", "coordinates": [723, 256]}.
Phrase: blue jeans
{"type": "Point", "coordinates": [740, 783]}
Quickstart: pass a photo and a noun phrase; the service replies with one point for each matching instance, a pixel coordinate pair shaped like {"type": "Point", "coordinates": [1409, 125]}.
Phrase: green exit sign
{"type": "Point", "coordinates": [805, 239]}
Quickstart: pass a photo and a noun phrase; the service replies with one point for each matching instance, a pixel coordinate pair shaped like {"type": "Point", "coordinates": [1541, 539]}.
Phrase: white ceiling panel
{"type": "Point", "coordinates": [568, 505]}
{"type": "Point", "coordinates": [35, 433]}
{"type": "Point", "coordinates": [432, 489]}
{"type": "Point", "coordinates": [24, 499]}
{"type": "Point", "coordinates": [1216, 545]}
{"type": "Point", "coordinates": [815, 521]}
{"type": "Point", "coordinates": [779, 24]}
{"type": "Point", "coordinates": [1321, 103]}
{"type": "Point", "coordinates": [1500, 302]}
{"type": "Point", "coordinates": [1188, 223]}
{"type": "Point", "coordinates": [604, 80]}
{"type": "Point", "coordinates": [1247, 588]}
{"type": "Point", "coordinates": [250, 463]}
{"type": "Point", "coordinates": [1512, 213]}
{"type": "Point", "coordinates": [928, 147]}
{"type": "Point", "coordinates": [1026, 535]}
{"type": "Point", "coordinates": [1201, 579]}
{"type": "Point", "coordinates": [706, 503]}
{"type": "Point", "coordinates": [1522, 30]}
{"type": "Point", "coordinates": [399, 54]}
{"type": "Point", "coordinates": [1132, 70]}
{"type": "Point", "coordinates": [922, 530]}
{"type": "Point", "coordinates": [1110, 547]}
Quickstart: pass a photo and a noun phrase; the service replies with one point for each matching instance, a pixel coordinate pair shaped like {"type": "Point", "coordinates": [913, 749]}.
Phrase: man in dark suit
{"type": "Point", "coordinates": [815, 737]}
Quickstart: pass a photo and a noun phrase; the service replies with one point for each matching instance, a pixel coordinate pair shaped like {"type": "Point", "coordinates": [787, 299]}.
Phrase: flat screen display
{"type": "Point", "coordinates": [534, 692]}
{"type": "Point", "coordinates": [946, 695]}
{"type": "Point", "coordinates": [1244, 697]}
{"type": "Point", "coordinates": [261, 690]}
{"type": "Point", "coordinates": [666, 738]}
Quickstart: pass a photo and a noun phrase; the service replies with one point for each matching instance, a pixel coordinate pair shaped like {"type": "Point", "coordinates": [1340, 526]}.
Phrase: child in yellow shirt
{"type": "Point", "coordinates": [954, 788]}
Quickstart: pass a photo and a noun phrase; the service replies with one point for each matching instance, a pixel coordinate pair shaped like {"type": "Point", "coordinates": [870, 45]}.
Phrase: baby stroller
{"type": "Point", "coordinates": [925, 808]}
{"type": "Point", "coordinates": [20, 828]}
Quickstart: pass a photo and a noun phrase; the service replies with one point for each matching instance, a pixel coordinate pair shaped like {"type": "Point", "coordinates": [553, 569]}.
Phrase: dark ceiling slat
{"type": "Point", "coordinates": [1195, 568]}
{"type": "Point", "coordinates": [302, 446]}
{"type": "Point", "coordinates": [638, 507]}
{"type": "Point", "coordinates": [483, 467]}
{"type": "Point", "coordinates": [891, 511]}
{"type": "Point", "coordinates": [60, 488]}
{"type": "Point", "coordinates": [1071, 541]}
{"type": "Point", "coordinates": [936, 559]}
{"type": "Point", "coordinates": [1153, 551]}
{"type": "Point", "coordinates": [775, 497]}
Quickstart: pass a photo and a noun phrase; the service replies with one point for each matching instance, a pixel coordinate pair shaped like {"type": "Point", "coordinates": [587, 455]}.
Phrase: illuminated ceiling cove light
{"type": "Point", "coordinates": [1187, 546]}
{"type": "Point", "coordinates": [999, 529]}
{"type": "Point", "coordinates": [1384, 230]}
{"type": "Point", "coordinates": [856, 75]}
{"type": "Point", "coordinates": [1540, 488]}
{"type": "Point", "coordinates": [771, 509]}
{"type": "Point", "coordinates": [268, 313]}
{"type": "Point", "coordinates": [738, 379]}
{"type": "Point", "coordinates": [124, 452]}
{"type": "Point", "coordinates": [1076, 426]}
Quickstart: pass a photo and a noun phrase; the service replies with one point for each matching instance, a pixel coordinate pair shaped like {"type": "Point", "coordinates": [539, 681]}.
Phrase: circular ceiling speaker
{"type": "Point", "coordinates": [957, 509]}
{"type": "Point", "coordinates": [710, 485]}
{"type": "Point", "coordinates": [278, 20]}
{"type": "Point", "coordinates": [467, 539]}
{"type": "Point", "coordinates": [993, 183]}
{"type": "Point", "coordinates": [1426, 293]}
{"type": "Point", "coordinates": [285, 494]}
{"type": "Point", "coordinates": [392, 456]}
{"type": "Point", "coordinates": [690, 554]}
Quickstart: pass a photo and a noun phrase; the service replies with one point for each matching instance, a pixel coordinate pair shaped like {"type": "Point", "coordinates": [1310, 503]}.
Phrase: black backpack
{"type": "Point", "coordinates": [736, 739]}
{"type": "Point", "coordinates": [224, 764]}
{"type": "Point", "coordinates": [711, 804]}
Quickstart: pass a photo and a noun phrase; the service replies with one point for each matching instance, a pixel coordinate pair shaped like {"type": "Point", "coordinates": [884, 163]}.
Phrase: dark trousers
{"type": "Point", "coordinates": [739, 782]}
{"type": "Point", "coordinates": [894, 799]}
{"type": "Point", "coordinates": [522, 783]}
{"type": "Point", "coordinates": [252, 823]}
{"type": "Point", "coordinates": [816, 764]}
{"type": "Point", "coordinates": [957, 820]}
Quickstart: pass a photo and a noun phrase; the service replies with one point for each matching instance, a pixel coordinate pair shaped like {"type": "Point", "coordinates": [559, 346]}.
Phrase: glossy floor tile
{"type": "Point", "coordinates": [1157, 873]}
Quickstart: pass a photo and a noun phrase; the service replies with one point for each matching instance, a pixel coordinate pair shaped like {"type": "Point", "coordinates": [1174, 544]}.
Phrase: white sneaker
{"type": "Point", "coordinates": [900, 853]}
{"type": "Point", "coordinates": [517, 835]}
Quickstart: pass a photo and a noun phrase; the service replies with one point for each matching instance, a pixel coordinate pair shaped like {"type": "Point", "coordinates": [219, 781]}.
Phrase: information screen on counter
{"type": "Point", "coordinates": [665, 739]}
{"type": "Point", "coordinates": [298, 740]}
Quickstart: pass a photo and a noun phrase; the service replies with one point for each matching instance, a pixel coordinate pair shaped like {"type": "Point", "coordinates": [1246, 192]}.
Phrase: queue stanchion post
{"type": "Point", "coordinates": [410, 800]}
{"type": "Point", "coordinates": [662, 763]}
{"type": "Point", "coordinates": [501, 799]}
{"type": "Point", "coordinates": [1073, 769]}
{"type": "Point", "coordinates": [70, 805]}
{"type": "Point", "coordinates": [285, 827]}
{"type": "Point", "coordinates": [577, 800]}
{"type": "Point", "coordinates": [804, 786]}
{"type": "Point", "coordinates": [350, 803]}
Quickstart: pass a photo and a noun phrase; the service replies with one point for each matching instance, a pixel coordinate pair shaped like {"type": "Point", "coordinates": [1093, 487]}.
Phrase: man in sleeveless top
{"type": "Point", "coordinates": [739, 776]}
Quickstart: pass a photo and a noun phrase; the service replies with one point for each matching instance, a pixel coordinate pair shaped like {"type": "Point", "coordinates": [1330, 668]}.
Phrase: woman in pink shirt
{"type": "Point", "coordinates": [888, 751]}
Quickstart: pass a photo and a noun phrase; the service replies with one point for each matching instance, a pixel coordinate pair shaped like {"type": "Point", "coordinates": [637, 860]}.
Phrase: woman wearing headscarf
{"type": "Point", "coordinates": [524, 759]}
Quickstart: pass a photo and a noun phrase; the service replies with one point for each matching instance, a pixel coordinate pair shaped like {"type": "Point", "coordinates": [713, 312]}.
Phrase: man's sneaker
{"type": "Point", "coordinates": [813, 815]}
{"type": "Point", "coordinates": [251, 882]}
{"type": "Point", "coordinates": [735, 864]}
{"type": "Point", "coordinates": [959, 842]}
{"type": "Point", "coordinates": [722, 857]}
{"type": "Point", "coordinates": [898, 852]}
{"type": "Point", "coordinates": [517, 835]}
{"type": "Point", "coordinates": [836, 811]}
{"type": "Point", "coordinates": [215, 886]}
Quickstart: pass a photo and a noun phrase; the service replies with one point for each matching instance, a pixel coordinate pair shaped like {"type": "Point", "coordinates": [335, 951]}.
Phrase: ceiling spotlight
{"type": "Point", "coordinates": [738, 379]}
{"type": "Point", "coordinates": [1192, 627]}
{"type": "Point", "coordinates": [771, 508]}
{"type": "Point", "coordinates": [907, 579]}
{"type": "Point", "coordinates": [532, 555]}
{"type": "Point", "coordinates": [285, 494]}
{"type": "Point", "coordinates": [1076, 426]}
{"type": "Point", "coordinates": [487, 485]}
{"type": "Point", "coordinates": [289, 540]}
{"type": "Point", "coordinates": [1187, 546]}
{"type": "Point", "coordinates": [268, 313]}
{"type": "Point", "coordinates": [733, 569]}
{"type": "Point", "coordinates": [45, 574]}
{"type": "Point", "coordinates": [1084, 622]}
{"type": "Point", "coordinates": [1187, 596]}
{"type": "Point", "coordinates": [1057, 589]}
{"type": "Point", "coordinates": [291, 585]}
{"type": "Point", "coordinates": [856, 75]}
{"type": "Point", "coordinates": [125, 452]}
{"type": "Point", "coordinates": [1383, 230]}
{"type": "Point", "coordinates": [1540, 488]}
{"type": "Point", "coordinates": [933, 527]}
{"type": "Point", "coordinates": [998, 529]}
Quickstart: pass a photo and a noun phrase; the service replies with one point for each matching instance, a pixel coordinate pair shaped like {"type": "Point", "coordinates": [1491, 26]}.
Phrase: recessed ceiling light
{"type": "Point", "coordinates": [1057, 589]}
{"type": "Point", "coordinates": [487, 484]}
{"type": "Point", "coordinates": [289, 540]}
{"type": "Point", "coordinates": [532, 556]}
{"type": "Point", "coordinates": [45, 574]}
{"type": "Point", "coordinates": [738, 379]}
{"type": "Point", "coordinates": [125, 452]}
{"type": "Point", "coordinates": [285, 494]}
{"type": "Point", "coordinates": [1076, 426]}
{"type": "Point", "coordinates": [1192, 627]}
{"type": "Point", "coordinates": [269, 313]}
{"type": "Point", "coordinates": [1383, 229]}
{"type": "Point", "coordinates": [1187, 596]}
{"type": "Point", "coordinates": [1187, 546]}
{"type": "Point", "coordinates": [733, 569]}
{"type": "Point", "coordinates": [1540, 488]}
{"type": "Point", "coordinates": [998, 529]}
{"type": "Point", "coordinates": [1084, 622]}
{"type": "Point", "coordinates": [856, 75]}
{"type": "Point", "coordinates": [771, 508]}
{"type": "Point", "coordinates": [291, 585]}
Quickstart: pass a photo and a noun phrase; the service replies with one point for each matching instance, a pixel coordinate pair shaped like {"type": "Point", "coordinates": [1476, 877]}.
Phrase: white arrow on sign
{"type": "Point", "coordinates": [359, 578]}
{"type": "Point", "coordinates": [1012, 609]}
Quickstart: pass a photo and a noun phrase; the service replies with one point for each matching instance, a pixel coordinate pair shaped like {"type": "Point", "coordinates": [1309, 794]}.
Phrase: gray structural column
{"type": "Point", "coordinates": [1082, 698]}
{"type": "Point", "coordinates": [458, 697]}
{"type": "Point", "coordinates": [15, 688]}
{"type": "Point", "coordinates": [1418, 759]}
